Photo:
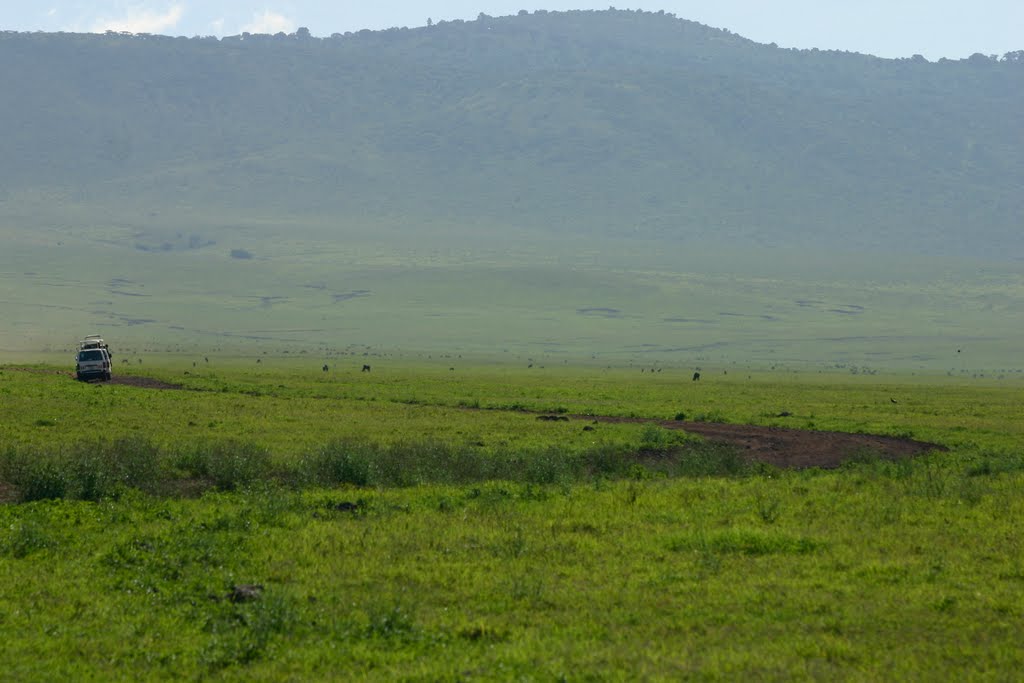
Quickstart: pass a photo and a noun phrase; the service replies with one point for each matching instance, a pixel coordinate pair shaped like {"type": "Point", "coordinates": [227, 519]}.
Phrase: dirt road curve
{"type": "Point", "coordinates": [780, 446]}
{"type": "Point", "coordinates": [142, 382]}
{"type": "Point", "coordinates": [794, 448]}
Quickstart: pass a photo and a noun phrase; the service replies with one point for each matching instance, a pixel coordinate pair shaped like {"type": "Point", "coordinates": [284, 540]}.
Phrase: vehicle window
{"type": "Point", "coordinates": [94, 354]}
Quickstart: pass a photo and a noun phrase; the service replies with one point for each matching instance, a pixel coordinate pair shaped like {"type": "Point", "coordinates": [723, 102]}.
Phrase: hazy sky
{"type": "Point", "coordinates": [887, 28]}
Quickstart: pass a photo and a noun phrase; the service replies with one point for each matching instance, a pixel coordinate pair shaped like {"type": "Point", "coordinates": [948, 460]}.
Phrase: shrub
{"type": "Point", "coordinates": [710, 460]}
{"type": "Point", "coordinates": [546, 466]}
{"type": "Point", "coordinates": [103, 470]}
{"type": "Point", "coordinates": [230, 464]}
{"type": "Point", "coordinates": [87, 471]}
{"type": "Point", "coordinates": [343, 461]}
{"type": "Point", "coordinates": [38, 475]}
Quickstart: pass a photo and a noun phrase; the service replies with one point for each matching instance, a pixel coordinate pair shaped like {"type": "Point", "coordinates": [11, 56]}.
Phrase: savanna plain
{"type": "Point", "coordinates": [446, 519]}
{"type": "Point", "coordinates": [532, 230]}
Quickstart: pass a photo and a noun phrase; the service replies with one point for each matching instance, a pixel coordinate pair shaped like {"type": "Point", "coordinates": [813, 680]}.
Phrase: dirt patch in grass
{"type": "Point", "coordinates": [142, 382]}
{"type": "Point", "coordinates": [123, 380]}
{"type": "Point", "coordinates": [792, 448]}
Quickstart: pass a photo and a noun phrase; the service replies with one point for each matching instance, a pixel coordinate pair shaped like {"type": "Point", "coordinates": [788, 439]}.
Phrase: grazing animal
{"type": "Point", "coordinates": [245, 592]}
{"type": "Point", "coordinates": [696, 376]}
{"type": "Point", "coordinates": [325, 368]}
{"type": "Point", "coordinates": [894, 400]}
{"type": "Point", "coordinates": [366, 368]}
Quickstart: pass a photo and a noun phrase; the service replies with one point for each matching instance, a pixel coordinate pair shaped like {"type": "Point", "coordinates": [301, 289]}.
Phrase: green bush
{"type": "Point", "coordinates": [102, 470]}
{"type": "Point", "coordinates": [229, 464]}
{"type": "Point", "coordinates": [710, 460]}
{"type": "Point", "coordinates": [37, 475]}
{"type": "Point", "coordinates": [343, 461]}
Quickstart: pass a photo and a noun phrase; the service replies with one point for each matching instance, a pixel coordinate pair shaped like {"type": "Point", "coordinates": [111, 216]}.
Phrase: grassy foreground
{"type": "Point", "coordinates": [282, 522]}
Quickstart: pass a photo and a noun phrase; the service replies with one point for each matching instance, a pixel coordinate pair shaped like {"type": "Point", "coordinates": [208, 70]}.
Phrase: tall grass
{"type": "Point", "coordinates": [97, 470]}
{"type": "Point", "coordinates": [86, 471]}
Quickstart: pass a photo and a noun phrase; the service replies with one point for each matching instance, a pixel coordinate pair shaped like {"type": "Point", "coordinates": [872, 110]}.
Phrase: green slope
{"type": "Point", "coordinates": [598, 122]}
{"type": "Point", "coordinates": [581, 183]}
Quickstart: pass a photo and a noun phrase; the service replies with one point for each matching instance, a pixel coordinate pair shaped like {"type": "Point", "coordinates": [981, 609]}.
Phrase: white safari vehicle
{"type": "Point", "coordinates": [93, 360]}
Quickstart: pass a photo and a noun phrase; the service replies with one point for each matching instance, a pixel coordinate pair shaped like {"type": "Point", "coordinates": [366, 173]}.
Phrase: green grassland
{"type": "Point", "coordinates": [272, 521]}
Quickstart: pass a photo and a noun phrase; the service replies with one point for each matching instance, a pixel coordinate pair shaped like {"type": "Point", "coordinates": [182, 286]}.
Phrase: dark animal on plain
{"type": "Point", "coordinates": [206, 359]}
{"type": "Point", "coordinates": [245, 592]}
{"type": "Point", "coordinates": [258, 360]}
{"type": "Point", "coordinates": [325, 368]}
{"type": "Point", "coordinates": [366, 368]}
{"type": "Point", "coordinates": [894, 400]}
{"type": "Point", "coordinates": [696, 376]}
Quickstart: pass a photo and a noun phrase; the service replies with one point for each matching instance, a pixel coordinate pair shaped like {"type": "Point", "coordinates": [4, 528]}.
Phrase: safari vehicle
{"type": "Point", "coordinates": [93, 360]}
{"type": "Point", "coordinates": [92, 364]}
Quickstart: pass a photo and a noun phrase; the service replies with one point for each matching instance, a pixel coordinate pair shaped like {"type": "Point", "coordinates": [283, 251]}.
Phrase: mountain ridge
{"type": "Point", "coordinates": [591, 122]}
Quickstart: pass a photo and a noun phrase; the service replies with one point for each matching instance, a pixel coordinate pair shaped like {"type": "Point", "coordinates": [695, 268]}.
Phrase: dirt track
{"type": "Point", "coordinates": [780, 446]}
{"type": "Point", "coordinates": [793, 448]}
{"type": "Point", "coordinates": [142, 382]}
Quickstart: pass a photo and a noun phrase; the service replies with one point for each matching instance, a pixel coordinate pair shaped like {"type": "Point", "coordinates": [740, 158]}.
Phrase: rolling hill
{"type": "Point", "coordinates": [597, 140]}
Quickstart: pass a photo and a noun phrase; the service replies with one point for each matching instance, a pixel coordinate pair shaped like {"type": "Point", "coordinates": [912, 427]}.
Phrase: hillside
{"type": "Point", "coordinates": [614, 186]}
{"type": "Point", "coordinates": [611, 123]}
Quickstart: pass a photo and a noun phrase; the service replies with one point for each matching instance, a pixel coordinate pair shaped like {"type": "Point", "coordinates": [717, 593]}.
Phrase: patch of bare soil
{"type": "Point", "coordinates": [123, 380]}
{"type": "Point", "coordinates": [142, 382]}
{"type": "Point", "coordinates": [793, 448]}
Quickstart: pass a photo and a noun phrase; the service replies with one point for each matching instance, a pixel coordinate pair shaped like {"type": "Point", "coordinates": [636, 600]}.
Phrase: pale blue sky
{"type": "Point", "coordinates": [887, 28]}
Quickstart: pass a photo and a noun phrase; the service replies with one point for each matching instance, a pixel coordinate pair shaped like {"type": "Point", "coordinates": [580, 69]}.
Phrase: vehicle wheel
{"type": "Point", "coordinates": [78, 377]}
{"type": "Point", "coordinates": [107, 377]}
